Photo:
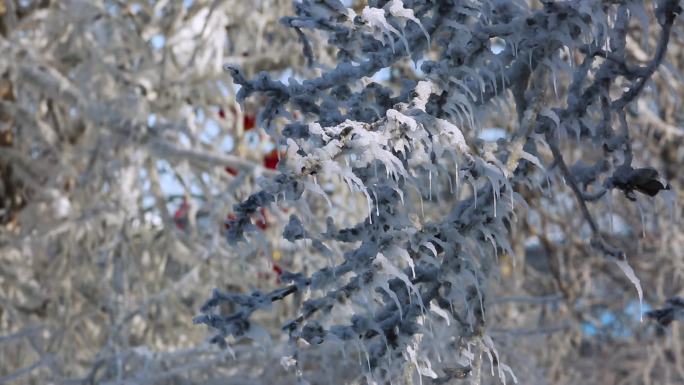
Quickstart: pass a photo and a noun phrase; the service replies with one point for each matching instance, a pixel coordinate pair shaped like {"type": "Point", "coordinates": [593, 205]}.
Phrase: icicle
{"type": "Point", "coordinates": [375, 17]}
{"type": "Point", "coordinates": [370, 209]}
{"type": "Point", "coordinates": [396, 272]}
{"type": "Point", "coordinates": [529, 55]}
{"type": "Point", "coordinates": [451, 185]}
{"type": "Point", "coordinates": [397, 10]}
{"type": "Point", "coordinates": [455, 111]}
{"type": "Point", "coordinates": [365, 352]}
{"type": "Point", "coordinates": [472, 183]}
{"type": "Point", "coordinates": [401, 195]}
{"type": "Point", "coordinates": [414, 360]}
{"type": "Point", "coordinates": [641, 216]}
{"type": "Point", "coordinates": [514, 48]}
{"type": "Point", "coordinates": [404, 255]}
{"type": "Point", "coordinates": [491, 359]}
{"type": "Point", "coordinates": [389, 358]}
{"type": "Point", "coordinates": [440, 312]}
{"type": "Point", "coordinates": [458, 179]}
{"type": "Point", "coordinates": [629, 273]}
{"type": "Point", "coordinates": [466, 90]}
{"type": "Point", "coordinates": [385, 286]}
{"type": "Point", "coordinates": [377, 205]}
{"type": "Point", "coordinates": [505, 368]}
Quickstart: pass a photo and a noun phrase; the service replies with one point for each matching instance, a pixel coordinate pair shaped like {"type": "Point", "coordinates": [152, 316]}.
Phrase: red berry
{"type": "Point", "coordinates": [278, 271]}
{"type": "Point", "coordinates": [261, 220]}
{"type": "Point", "coordinates": [221, 113]}
{"type": "Point", "coordinates": [230, 217]}
{"type": "Point", "coordinates": [231, 171]}
{"type": "Point", "coordinates": [249, 122]}
{"type": "Point", "coordinates": [180, 216]}
{"type": "Point", "coordinates": [271, 160]}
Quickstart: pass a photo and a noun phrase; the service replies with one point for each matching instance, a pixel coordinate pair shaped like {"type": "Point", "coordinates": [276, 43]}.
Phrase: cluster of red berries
{"type": "Point", "coordinates": [269, 161]}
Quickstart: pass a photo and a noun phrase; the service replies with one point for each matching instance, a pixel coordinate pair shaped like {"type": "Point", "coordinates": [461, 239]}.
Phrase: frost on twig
{"type": "Point", "coordinates": [408, 271]}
